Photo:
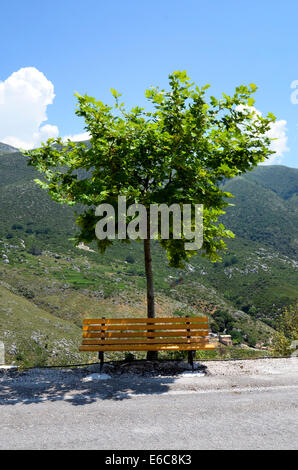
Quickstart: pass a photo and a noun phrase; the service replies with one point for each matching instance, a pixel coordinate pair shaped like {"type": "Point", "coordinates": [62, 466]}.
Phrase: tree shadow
{"type": "Point", "coordinates": [72, 386]}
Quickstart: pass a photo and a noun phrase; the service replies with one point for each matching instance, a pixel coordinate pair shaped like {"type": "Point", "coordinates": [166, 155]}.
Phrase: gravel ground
{"type": "Point", "coordinates": [264, 366]}
{"type": "Point", "coordinates": [250, 404]}
{"type": "Point", "coordinates": [76, 376]}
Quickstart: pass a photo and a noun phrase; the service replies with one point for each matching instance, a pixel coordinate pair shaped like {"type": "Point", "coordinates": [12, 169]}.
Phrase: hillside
{"type": "Point", "coordinates": [280, 179]}
{"type": "Point", "coordinates": [33, 336]}
{"type": "Point", "coordinates": [265, 211]}
{"type": "Point", "coordinates": [257, 277]}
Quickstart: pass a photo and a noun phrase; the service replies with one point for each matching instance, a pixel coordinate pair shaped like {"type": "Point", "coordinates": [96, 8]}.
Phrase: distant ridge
{"type": "Point", "coordinates": [7, 148]}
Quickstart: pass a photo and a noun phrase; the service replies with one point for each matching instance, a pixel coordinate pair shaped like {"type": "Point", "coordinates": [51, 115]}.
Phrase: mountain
{"type": "Point", "coordinates": [283, 181]}
{"type": "Point", "coordinates": [7, 148]}
{"type": "Point", "coordinates": [266, 208]}
{"type": "Point", "coordinates": [256, 279]}
{"type": "Point", "coordinates": [26, 210]}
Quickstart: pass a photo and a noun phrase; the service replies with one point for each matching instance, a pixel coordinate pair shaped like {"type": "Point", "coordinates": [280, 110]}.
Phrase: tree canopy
{"type": "Point", "coordinates": [178, 152]}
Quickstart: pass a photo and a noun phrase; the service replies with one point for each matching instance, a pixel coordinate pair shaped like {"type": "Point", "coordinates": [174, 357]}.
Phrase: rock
{"type": "Point", "coordinates": [2, 353]}
{"type": "Point", "coordinates": [95, 377]}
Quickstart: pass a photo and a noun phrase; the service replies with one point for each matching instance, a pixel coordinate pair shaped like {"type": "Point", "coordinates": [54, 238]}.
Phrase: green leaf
{"type": "Point", "coordinates": [253, 87]}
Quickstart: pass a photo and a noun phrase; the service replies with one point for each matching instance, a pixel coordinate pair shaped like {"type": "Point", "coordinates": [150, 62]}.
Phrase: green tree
{"type": "Point", "coordinates": [222, 322]}
{"type": "Point", "coordinates": [237, 337]}
{"type": "Point", "coordinates": [178, 152]}
{"type": "Point", "coordinates": [287, 331]}
{"type": "Point", "coordinates": [251, 340]}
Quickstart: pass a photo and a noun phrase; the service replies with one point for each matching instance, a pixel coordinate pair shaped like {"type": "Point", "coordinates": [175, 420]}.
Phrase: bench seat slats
{"type": "Point", "coordinates": [147, 347]}
{"type": "Point", "coordinates": [143, 334]}
{"type": "Point", "coordinates": [197, 326]}
{"type": "Point", "coordinates": [127, 321]}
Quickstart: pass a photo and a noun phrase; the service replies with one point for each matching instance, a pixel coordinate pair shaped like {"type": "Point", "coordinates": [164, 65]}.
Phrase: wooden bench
{"type": "Point", "coordinates": [145, 334]}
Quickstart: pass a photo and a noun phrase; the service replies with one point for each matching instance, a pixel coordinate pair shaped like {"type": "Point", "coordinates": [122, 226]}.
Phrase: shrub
{"type": "Point", "coordinates": [237, 337]}
{"type": "Point", "coordinates": [287, 327]}
{"type": "Point", "coordinates": [251, 340]}
{"type": "Point", "coordinates": [222, 322]}
{"type": "Point", "coordinates": [230, 260]}
{"type": "Point", "coordinates": [34, 250]}
{"type": "Point", "coordinates": [129, 259]}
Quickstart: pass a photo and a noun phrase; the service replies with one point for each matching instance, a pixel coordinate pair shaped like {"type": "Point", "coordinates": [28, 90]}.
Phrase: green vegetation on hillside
{"type": "Point", "coordinates": [40, 265]}
{"type": "Point", "coordinates": [33, 337]}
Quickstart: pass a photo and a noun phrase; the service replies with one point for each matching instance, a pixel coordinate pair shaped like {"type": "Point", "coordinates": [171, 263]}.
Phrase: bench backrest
{"type": "Point", "coordinates": [145, 331]}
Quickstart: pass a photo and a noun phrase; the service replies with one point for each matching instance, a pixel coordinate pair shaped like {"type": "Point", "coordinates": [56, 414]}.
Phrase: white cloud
{"type": "Point", "coordinates": [24, 97]}
{"type": "Point", "coordinates": [278, 131]}
{"type": "Point", "coordinates": [77, 137]}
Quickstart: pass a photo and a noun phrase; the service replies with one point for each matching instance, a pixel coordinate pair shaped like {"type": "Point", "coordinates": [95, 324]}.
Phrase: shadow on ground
{"type": "Point", "coordinates": [72, 385]}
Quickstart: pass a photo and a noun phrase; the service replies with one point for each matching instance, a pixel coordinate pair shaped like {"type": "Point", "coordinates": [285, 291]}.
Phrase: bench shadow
{"type": "Point", "coordinates": [39, 386]}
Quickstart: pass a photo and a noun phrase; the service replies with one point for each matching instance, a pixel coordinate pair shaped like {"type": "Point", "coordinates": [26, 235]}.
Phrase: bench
{"type": "Point", "coordinates": [145, 334]}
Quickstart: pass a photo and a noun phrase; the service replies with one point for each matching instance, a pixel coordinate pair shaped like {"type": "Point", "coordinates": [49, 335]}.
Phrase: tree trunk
{"type": "Point", "coordinates": [151, 355]}
{"type": "Point", "coordinates": [149, 279]}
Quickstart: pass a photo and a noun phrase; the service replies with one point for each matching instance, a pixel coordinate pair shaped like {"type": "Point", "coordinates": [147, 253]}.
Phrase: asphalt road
{"type": "Point", "coordinates": [252, 410]}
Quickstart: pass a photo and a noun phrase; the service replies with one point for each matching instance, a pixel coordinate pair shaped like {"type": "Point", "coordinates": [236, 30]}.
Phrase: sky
{"type": "Point", "coordinates": [50, 50]}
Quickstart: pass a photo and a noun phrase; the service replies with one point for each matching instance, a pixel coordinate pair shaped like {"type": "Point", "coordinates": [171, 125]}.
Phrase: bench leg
{"type": "Point", "coordinates": [152, 355]}
{"type": "Point", "coordinates": [191, 355]}
{"type": "Point", "coordinates": [101, 357]}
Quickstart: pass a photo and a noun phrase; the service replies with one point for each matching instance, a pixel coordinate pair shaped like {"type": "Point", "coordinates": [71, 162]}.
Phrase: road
{"type": "Point", "coordinates": [255, 409]}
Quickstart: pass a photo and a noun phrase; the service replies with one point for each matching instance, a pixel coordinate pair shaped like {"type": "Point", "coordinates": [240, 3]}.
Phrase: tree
{"type": "Point", "coordinates": [237, 337]}
{"type": "Point", "coordinates": [222, 322]}
{"type": "Point", "coordinates": [287, 331]}
{"type": "Point", "coordinates": [179, 152]}
{"type": "Point", "coordinates": [251, 339]}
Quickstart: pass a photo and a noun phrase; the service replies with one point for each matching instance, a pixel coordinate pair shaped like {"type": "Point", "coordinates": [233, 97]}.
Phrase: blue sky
{"type": "Point", "coordinates": [130, 45]}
